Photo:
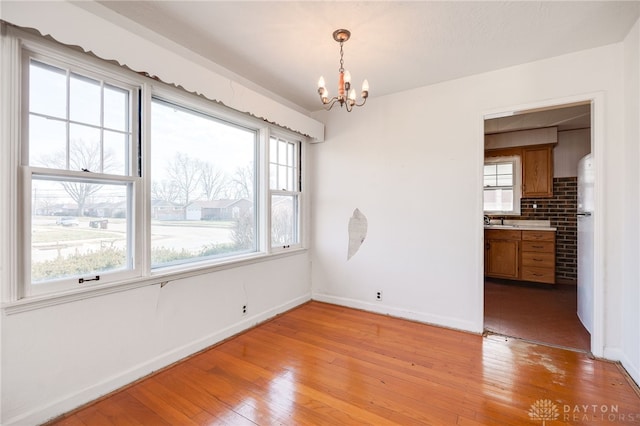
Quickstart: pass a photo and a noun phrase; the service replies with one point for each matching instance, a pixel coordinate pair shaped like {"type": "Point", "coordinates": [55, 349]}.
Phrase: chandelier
{"type": "Point", "coordinates": [346, 94]}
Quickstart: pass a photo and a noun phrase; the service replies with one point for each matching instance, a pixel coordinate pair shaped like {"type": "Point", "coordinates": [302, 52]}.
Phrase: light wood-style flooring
{"type": "Point", "coordinates": [536, 312]}
{"type": "Point", "coordinates": [321, 364]}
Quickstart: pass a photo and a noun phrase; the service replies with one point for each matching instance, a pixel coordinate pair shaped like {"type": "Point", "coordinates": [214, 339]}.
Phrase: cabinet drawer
{"type": "Point", "coordinates": [538, 246]}
{"type": "Point", "coordinates": [541, 275]}
{"type": "Point", "coordinates": [540, 260]}
{"type": "Point", "coordinates": [501, 234]}
{"type": "Point", "coordinates": [538, 236]}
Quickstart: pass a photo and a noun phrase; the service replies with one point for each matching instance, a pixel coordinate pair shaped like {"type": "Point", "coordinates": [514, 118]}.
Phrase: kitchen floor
{"type": "Point", "coordinates": [540, 313]}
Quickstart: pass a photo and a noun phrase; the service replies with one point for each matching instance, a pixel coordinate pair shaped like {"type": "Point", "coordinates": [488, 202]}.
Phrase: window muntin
{"type": "Point", "coordinates": [78, 177]}
{"type": "Point", "coordinates": [77, 122]}
{"type": "Point", "coordinates": [203, 181]}
{"type": "Point", "coordinates": [502, 185]}
{"type": "Point", "coordinates": [285, 188]}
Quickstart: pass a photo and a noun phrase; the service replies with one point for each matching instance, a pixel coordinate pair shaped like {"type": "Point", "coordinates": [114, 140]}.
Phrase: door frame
{"type": "Point", "coordinates": [596, 99]}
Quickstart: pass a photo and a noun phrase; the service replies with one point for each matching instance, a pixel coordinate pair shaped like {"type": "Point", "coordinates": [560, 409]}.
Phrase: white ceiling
{"type": "Point", "coordinates": [284, 47]}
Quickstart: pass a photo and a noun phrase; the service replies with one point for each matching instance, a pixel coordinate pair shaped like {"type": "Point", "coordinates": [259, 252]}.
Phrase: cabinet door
{"type": "Point", "coordinates": [502, 258]}
{"type": "Point", "coordinates": [537, 172]}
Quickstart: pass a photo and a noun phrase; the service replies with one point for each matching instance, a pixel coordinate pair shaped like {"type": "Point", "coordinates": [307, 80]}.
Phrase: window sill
{"type": "Point", "coordinates": [161, 278]}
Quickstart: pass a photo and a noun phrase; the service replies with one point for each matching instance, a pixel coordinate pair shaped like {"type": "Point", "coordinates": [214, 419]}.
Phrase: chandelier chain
{"type": "Point", "coordinates": [341, 69]}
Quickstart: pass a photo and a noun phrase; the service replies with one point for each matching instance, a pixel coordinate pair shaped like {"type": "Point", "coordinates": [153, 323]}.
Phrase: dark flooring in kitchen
{"type": "Point", "coordinates": [536, 312]}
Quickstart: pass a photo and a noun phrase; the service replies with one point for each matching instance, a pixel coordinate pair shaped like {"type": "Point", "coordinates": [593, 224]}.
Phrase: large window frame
{"type": "Point", "coordinates": [18, 293]}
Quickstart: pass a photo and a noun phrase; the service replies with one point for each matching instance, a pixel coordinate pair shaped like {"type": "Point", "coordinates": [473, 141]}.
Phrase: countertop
{"type": "Point", "coordinates": [521, 225]}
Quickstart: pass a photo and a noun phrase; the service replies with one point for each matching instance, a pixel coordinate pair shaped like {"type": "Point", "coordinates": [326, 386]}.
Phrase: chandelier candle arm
{"type": "Point", "coordinates": [346, 95]}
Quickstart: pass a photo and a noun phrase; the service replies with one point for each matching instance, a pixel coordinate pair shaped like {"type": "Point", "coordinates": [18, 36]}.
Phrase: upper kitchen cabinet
{"type": "Point", "coordinates": [537, 171]}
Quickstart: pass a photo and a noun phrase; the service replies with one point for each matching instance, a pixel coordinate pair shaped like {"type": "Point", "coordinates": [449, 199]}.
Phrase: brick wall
{"type": "Point", "coordinates": [561, 211]}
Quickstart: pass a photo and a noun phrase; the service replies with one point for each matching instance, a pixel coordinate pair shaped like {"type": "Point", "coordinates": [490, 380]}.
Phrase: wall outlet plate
{"type": "Point", "coordinates": [379, 295]}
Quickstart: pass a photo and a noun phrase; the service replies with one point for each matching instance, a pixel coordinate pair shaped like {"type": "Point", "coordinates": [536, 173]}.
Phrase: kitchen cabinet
{"type": "Point", "coordinates": [537, 171]}
{"type": "Point", "coordinates": [538, 256]}
{"type": "Point", "coordinates": [527, 255]}
{"type": "Point", "coordinates": [502, 248]}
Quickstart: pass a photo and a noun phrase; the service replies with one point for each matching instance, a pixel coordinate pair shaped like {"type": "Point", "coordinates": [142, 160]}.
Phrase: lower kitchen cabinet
{"type": "Point", "coordinates": [520, 255]}
{"type": "Point", "coordinates": [501, 253]}
{"type": "Point", "coordinates": [539, 256]}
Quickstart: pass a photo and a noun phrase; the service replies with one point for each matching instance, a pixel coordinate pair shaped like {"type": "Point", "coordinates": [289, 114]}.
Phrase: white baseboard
{"type": "Point", "coordinates": [69, 402]}
{"type": "Point", "coordinates": [380, 308]}
{"type": "Point", "coordinates": [616, 354]}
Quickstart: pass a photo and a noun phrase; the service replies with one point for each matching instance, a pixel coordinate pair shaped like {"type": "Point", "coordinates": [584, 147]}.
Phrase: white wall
{"type": "Point", "coordinates": [59, 357]}
{"type": "Point", "coordinates": [572, 146]}
{"type": "Point", "coordinates": [630, 304]}
{"type": "Point", "coordinates": [411, 162]}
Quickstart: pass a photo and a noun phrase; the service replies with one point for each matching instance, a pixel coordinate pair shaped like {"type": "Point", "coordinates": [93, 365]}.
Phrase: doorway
{"type": "Point", "coordinates": [545, 313]}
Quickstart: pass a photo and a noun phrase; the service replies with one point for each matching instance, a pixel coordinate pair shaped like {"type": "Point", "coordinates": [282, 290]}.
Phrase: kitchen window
{"type": "Point", "coordinates": [124, 181]}
{"type": "Point", "coordinates": [502, 185]}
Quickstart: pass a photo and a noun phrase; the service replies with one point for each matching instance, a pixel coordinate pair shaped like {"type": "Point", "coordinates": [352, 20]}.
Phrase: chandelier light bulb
{"type": "Point", "coordinates": [346, 94]}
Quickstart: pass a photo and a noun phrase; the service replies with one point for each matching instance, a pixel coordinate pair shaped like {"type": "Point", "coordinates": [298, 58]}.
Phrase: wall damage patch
{"type": "Point", "coordinates": [357, 232]}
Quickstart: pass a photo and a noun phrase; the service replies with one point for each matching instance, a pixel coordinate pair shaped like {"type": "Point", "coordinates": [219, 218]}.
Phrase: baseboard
{"type": "Point", "coordinates": [70, 402]}
{"type": "Point", "coordinates": [379, 308]}
{"type": "Point", "coordinates": [632, 370]}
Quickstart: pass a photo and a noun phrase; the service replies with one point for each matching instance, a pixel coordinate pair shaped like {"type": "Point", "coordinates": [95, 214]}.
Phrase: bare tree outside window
{"type": "Point", "coordinates": [87, 157]}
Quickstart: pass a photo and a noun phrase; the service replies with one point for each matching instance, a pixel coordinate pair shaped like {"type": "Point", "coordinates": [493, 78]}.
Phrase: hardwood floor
{"type": "Point", "coordinates": [539, 313]}
{"type": "Point", "coordinates": [322, 364]}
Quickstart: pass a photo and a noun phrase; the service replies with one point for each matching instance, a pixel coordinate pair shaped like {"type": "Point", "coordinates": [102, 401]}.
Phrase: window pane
{"type": "Point", "coordinates": [79, 228]}
{"type": "Point", "coordinates": [116, 147]}
{"type": "Point", "coordinates": [498, 200]}
{"type": "Point", "coordinates": [84, 148]}
{"type": "Point", "coordinates": [505, 168]}
{"type": "Point", "coordinates": [202, 181]}
{"type": "Point", "coordinates": [47, 143]}
{"type": "Point", "coordinates": [489, 169]}
{"type": "Point", "coordinates": [85, 102]}
{"type": "Point", "coordinates": [505, 180]}
{"type": "Point", "coordinates": [490, 181]}
{"type": "Point", "coordinates": [284, 220]}
{"type": "Point", "coordinates": [282, 178]}
{"type": "Point", "coordinates": [116, 108]}
{"type": "Point", "coordinates": [47, 90]}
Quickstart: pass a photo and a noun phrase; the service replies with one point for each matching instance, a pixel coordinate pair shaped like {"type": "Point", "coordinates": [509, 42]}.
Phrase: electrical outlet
{"type": "Point", "coordinates": [244, 309]}
{"type": "Point", "coordinates": [379, 295]}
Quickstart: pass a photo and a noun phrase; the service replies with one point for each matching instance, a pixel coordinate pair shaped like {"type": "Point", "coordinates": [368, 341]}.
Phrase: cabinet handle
{"type": "Point", "coordinates": [537, 260]}
{"type": "Point", "coordinates": [537, 246]}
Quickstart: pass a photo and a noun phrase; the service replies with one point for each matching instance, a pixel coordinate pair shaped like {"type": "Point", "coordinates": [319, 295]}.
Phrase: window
{"type": "Point", "coordinates": [79, 174]}
{"type": "Point", "coordinates": [502, 185]}
{"type": "Point", "coordinates": [122, 180]}
{"type": "Point", "coordinates": [284, 184]}
{"type": "Point", "coordinates": [202, 186]}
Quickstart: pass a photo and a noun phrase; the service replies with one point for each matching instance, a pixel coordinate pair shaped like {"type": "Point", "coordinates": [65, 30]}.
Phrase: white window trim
{"type": "Point", "coordinates": [11, 192]}
{"type": "Point", "coordinates": [517, 184]}
{"type": "Point", "coordinates": [299, 193]}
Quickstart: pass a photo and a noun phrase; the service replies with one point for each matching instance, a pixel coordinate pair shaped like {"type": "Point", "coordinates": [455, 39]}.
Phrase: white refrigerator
{"type": "Point", "coordinates": [586, 180]}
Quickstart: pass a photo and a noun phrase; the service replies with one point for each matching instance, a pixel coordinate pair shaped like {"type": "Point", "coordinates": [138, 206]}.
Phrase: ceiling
{"type": "Point", "coordinates": [281, 48]}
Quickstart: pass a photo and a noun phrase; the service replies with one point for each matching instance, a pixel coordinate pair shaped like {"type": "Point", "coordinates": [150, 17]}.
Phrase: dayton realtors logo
{"type": "Point", "coordinates": [544, 410]}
